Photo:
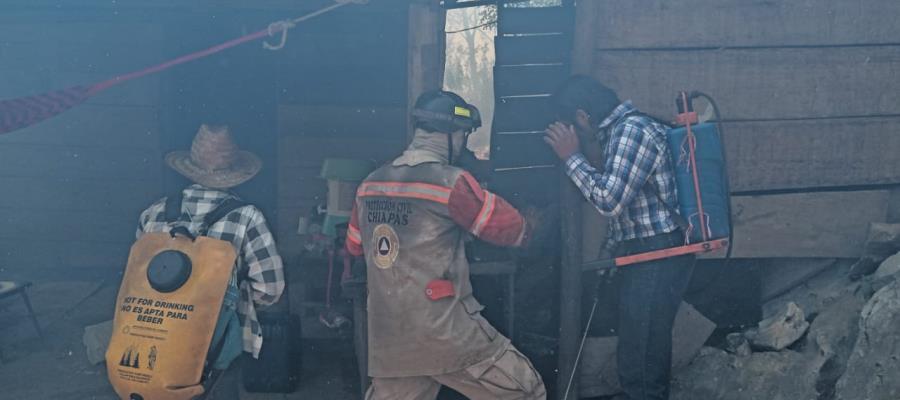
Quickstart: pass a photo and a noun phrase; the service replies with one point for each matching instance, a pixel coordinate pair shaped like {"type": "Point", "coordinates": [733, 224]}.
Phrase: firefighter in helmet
{"type": "Point", "coordinates": [412, 219]}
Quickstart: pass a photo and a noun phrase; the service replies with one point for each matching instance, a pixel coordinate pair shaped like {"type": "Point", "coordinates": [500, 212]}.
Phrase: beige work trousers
{"type": "Point", "coordinates": [508, 375]}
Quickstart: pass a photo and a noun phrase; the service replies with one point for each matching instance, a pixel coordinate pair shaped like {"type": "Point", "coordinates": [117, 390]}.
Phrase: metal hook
{"type": "Point", "coordinates": [274, 27]}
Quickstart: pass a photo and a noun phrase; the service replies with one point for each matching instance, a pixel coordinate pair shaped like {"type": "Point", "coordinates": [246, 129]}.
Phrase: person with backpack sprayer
{"type": "Point", "coordinates": [636, 188]}
{"type": "Point", "coordinates": [411, 221]}
{"type": "Point", "coordinates": [203, 263]}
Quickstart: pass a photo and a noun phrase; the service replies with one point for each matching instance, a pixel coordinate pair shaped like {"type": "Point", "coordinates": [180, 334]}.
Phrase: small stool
{"type": "Point", "coordinates": [11, 288]}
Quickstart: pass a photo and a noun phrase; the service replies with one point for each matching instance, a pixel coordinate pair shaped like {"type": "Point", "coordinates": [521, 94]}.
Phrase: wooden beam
{"type": "Point", "coordinates": [823, 225]}
{"type": "Point", "coordinates": [761, 83]}
{"type": "Point", "coordinates": [721, 23]}
{"type": "Point", "coordinates": [570, 321]}
{"type": "Point", "coordinates": [587, 16]}
{"type": "Point", "coordinates": [800, 225]}
{"type": "Point", "coordinates": [426, 52]}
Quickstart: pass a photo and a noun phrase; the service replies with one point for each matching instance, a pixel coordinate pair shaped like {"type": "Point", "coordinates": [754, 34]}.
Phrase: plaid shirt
{"type": "Point", "coordinates": [636, 154]}
{"type": "Point", "coordinates": [245, 228]}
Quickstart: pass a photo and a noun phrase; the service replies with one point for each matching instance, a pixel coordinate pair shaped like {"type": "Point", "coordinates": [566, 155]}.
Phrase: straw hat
{"type": "Point", "coordinates": [214, 160]}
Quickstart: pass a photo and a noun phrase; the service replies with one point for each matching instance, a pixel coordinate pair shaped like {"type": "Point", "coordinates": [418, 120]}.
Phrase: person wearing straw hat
{"type": "Point", "coordinates": [215, 164]}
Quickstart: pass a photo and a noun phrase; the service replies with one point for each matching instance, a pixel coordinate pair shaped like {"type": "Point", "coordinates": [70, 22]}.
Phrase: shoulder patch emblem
{"type": "Point", "coordinates": [386, 246]}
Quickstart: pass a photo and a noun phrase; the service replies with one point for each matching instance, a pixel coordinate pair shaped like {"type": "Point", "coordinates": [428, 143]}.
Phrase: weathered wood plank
{"type": "Point", "coordinates": [527, 186]}
{"type": "Point", "coordinates": [522, 114]}
{"type": "Point", "coordinates": [521, 150]}
{"type": "Point", "coordinates": [520, 50]}
{"type": "Point", "coordinates": [822, 225]}
{"type": "Point", "coordinates": [329, 121]}
{"type": "Point", "coordinates": [531, 20]}
{"type": "Point", "coordinates": [63, 194]}
{"type": "Point", "coordinates": [82, 162]}
{"type": "Point", "coordinates": [82, 33]}
{"type": "Point", "coordinates": [24, 82]}
{"type": "Point", "coordinates": [781, 155]}
{"type": "Point", "coordinates": [104, 226]}
{"type": "Point", "coordinates": [805, 225]}
{"type": "Point", "coordinates": [92, 125]}
{"type": "Point", "coordinates": [308, 153]}
{"type": "Point", "coordinates": [761, 83]}
{"type": "Point", "coordinates": [21, 254]}
{"type": "Point", "coordinates": [718, 23]}
{"type": "Point", "coordinates": [584, 37]}
{"type": "Point", "coordinates": [528, 79]}
{"type": "Point", "coordinates": [177, 4]}
{"type": "Point", "coordinates": [813, 153]}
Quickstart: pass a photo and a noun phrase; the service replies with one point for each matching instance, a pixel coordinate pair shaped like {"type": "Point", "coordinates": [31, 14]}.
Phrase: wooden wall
{"type": "Point", "coordinates": [342, 93]}
{"type": "Point", "coordinates": [809, 90]}
{"type": "Point", "coordinates": [72, 187]}
{"type": "Point", "coordinates": [76, 183]}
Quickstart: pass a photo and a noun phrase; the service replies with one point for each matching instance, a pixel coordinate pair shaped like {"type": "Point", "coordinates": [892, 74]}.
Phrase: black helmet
{"type": "Point", "coordinates": [445, 112]}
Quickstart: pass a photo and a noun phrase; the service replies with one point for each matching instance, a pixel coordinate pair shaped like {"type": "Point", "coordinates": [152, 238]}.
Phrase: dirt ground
{"type": "Point", "coordinates": [57, 367]}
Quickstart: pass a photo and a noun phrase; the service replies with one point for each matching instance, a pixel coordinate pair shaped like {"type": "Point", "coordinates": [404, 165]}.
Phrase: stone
{"type": "Point", "coordinates": [886, 272]}
{"type": "Point", "coordinates": [781, 330]}
{"type": "Point", "coordinates": [96, 340]}
{"type": "Point", "coordinates": [715, 374]}
{"type": "Point", "coordinates": [737, 344]}
{"type": "Point", "coordinates": [883, 240]}
{"type": "Point", "coordinates": [598, 372]}
{"type": "Point", "coordinates": [872, 368]}
{"type": "Point", "coordinates": [831, 338]}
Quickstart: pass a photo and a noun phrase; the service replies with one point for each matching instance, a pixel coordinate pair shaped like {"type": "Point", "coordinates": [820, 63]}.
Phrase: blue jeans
{"type": "Point", "coordinates": [649, 296]}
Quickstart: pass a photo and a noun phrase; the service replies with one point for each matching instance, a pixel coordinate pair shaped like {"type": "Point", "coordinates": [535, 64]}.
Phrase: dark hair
{"type": "Point", "coordinates": [584, 93]}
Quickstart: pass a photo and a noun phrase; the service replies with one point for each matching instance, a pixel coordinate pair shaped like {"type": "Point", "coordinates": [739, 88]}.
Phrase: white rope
{"type": "Point", "coordinates": [580, 349]}
{"type": "Point", "coordinates": [285, 25]}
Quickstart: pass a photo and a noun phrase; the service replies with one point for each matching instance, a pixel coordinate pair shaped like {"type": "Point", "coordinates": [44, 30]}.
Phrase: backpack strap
{"type": "Point", "coordinates": [219, 213]}
{"type": "Point", "coordinates": [677, 218]}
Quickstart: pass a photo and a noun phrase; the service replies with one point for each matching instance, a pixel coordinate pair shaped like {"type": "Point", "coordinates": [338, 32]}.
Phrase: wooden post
{"type": "Point", "coordinates": [571, 199]}
{"type": "Point", "coordinates": [426, 51]}
{"type": "Point", "coordinates": [570, 289]}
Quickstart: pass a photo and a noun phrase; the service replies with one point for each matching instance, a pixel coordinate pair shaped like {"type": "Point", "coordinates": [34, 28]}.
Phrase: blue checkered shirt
{"type": "Point", "coordinates": [246, 229]}
{"type": "Point", "coordinates": [636, 155]}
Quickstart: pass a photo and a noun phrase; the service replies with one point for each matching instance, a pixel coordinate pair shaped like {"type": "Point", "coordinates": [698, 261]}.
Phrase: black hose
{"type": "Point", "coordinates": [726, 180]}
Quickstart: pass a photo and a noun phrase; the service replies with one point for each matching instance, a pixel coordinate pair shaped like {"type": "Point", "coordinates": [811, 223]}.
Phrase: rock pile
{"type": "Point", "coordinates": [834, 337]}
